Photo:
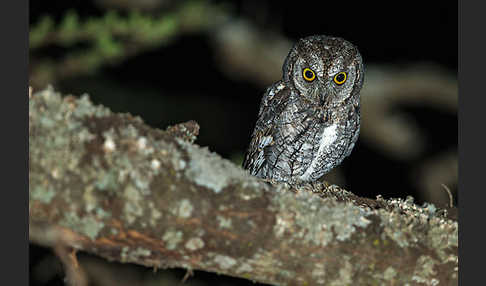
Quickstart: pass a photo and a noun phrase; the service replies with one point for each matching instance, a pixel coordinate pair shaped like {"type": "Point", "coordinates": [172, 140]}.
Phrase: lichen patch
{"type": "Point", "coordinates": [405, 223]}
{"type": "Point", "coordinates": [140, 251]}
{"type": "Point", "coordinates": [43, 194]}
{"type": "Point", "coordinates": [224, 262]}
{"type": "Point", "coordinates": [194, 243]}
{"type": "Point", "coordinates": [210, 170]}
{"type": "Point", "coordinates": [345, 275]}
{"type": "Point", "coordinates": [299, 215]}
{"type": "Point", "coordinates": [86, 225]}
{"type": "Point", "coordinates": [184, 210]}
{"type": "Point", "coordinates": [244, 268]}
{"type": "Point", "coordinates": [155, 164]}
{"type": "Point", "coordinates": [424, 271]}
{"type": "Point", "coordinates": [223, 221]}
{"type": "Point", "coordinates": [109, 145]}
{"type": "Point", "coordinates": [389, 273]}
{"type": "Point", "coordinates": [172, 238]}
{"type": "Point", "coordinates": [133, 208]}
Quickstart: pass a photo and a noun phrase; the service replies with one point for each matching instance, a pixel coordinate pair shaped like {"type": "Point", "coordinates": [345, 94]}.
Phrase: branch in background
{"type": "Point", "coordinates": [397, 134]}
{"type": "Point", "coordinates": [387, 89]}
{"type": "Point", "coordinates": [112, 186]}
{"type": "Point", "coordinates": [247, 53]}
{"type": "Point", "coordinates": [111, 38]}
{"type": "Point", "coordinates": [75, 274]}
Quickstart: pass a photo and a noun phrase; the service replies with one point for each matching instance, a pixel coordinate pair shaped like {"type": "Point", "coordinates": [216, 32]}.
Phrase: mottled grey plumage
{"type": "Point", "coordinates": [308, 124]}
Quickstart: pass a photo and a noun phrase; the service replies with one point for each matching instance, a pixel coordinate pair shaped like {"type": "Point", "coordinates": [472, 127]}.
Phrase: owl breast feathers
{"type": "Point", "coordinates": [309, 120]}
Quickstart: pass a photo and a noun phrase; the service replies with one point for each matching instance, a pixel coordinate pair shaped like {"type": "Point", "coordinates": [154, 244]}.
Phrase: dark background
{"type": "Point", "coordinates": [181, 80]}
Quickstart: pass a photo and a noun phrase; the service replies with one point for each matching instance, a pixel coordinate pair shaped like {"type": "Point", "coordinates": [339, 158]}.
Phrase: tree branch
{"type": "Point", "coordinates": [110, 185]}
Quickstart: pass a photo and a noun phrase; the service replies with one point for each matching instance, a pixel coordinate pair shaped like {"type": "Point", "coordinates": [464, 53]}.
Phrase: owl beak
{"type": "Point", "coordinates": [317, 94]}
{"type": "Point", "coordinates": [322, 97]}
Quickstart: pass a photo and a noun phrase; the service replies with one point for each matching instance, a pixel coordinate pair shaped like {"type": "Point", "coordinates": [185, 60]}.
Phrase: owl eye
{"type": "Point", "coordinates": [340, 78]}
{"type": "Point", "coordinates": [309, 75]}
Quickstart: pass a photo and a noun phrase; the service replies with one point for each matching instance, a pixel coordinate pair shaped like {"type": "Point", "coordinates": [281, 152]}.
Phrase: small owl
{"type": "Point", "coordinates": [309, 121]}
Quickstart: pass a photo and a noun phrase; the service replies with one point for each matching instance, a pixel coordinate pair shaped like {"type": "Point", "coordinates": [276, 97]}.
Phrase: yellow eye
{"type": "Point", "coordinates": [309, 75]}
{"type": "Point", "coordinates": [340, 78]}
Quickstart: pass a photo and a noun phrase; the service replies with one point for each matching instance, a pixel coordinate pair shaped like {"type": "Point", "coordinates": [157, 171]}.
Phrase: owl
{"type": "Point", "coordinates": [309, 120]}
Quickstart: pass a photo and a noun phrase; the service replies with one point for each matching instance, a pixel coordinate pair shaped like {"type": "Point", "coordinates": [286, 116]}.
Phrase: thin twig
{"type": "Point", "coordinates": [188, 274]}
{"type": "Point", "coordinates": [451, 202]}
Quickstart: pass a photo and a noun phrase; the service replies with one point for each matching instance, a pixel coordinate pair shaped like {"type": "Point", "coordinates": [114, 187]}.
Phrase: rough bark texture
{"type": "Point", "coordinates": [110, 185]}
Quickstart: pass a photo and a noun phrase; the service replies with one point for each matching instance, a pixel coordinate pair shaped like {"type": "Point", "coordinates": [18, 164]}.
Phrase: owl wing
{"type": "Point", "coordinates": [273, 103]}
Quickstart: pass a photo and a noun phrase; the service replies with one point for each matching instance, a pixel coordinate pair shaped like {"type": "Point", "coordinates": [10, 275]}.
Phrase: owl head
{"type": "Point", "coordinates": [327, 71]}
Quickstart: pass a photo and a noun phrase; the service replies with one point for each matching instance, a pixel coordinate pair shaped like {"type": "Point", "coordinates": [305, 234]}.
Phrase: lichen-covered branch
{"type": "Point", "coordinates": [110, 185]}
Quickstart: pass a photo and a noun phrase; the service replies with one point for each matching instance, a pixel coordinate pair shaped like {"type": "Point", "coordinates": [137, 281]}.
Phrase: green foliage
{"type": "Point", "coordinates": [113, 37]}
{"type": "Point", "coordinates": [68, 28]}
{"type": "Point", "coordinates": [38, 34]}
{"type": "Point", "coordinates": [136, 28]}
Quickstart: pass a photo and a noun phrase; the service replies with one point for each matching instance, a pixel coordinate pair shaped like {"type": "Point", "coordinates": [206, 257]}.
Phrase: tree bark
{"type": "Point", "coordinates": [112, 186]}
